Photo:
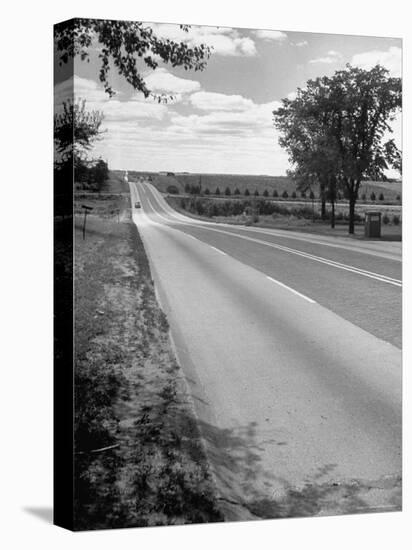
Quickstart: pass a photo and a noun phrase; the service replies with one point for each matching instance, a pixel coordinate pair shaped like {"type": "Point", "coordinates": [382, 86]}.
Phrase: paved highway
{"type": "Point", "coordinates": [290, 344]}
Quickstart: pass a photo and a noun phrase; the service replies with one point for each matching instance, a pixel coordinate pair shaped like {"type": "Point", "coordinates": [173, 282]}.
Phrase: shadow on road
{"type": "Point", "coordinates": [237, 461]}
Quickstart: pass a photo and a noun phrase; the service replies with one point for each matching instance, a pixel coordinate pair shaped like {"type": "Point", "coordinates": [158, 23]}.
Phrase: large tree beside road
{"type": "Point", "coordinates": [335, 129]}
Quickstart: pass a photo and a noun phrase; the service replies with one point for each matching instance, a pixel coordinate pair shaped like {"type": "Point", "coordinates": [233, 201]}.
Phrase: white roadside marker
{"type": "Point", "coordinates": [291, 290]}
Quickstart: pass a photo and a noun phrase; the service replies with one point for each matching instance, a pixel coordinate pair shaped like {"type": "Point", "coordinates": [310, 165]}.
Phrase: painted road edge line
{"type": "Point", "coordinates": [332, 263]}
{"type": "Point", "coordinates": [187, 234]}
{"type": "Point", "coordinates": [291, 290]}
{"type": "Point", "coordinates": [218, 250]}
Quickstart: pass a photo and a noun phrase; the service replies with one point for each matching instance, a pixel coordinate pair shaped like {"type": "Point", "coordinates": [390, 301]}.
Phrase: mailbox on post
{"type": "Point", "coordinates": [373, 224]}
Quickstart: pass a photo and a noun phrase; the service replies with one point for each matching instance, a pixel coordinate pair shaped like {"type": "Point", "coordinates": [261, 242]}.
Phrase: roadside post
{"type": "Point", "coordinates": [373, 224]}
{"type": "Point", "coordinates": [87, 210]}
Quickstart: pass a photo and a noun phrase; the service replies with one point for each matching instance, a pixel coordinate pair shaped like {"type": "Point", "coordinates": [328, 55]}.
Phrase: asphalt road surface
{"type": "Point", "coordinates": [290, 344]}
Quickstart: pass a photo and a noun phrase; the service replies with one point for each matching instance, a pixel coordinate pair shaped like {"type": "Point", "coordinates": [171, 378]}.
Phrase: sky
{"type": "Point", "coordinates": [220, 120]}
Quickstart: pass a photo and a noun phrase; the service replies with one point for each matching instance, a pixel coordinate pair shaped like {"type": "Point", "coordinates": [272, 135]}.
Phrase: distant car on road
{"type": "Point", "coordinates": [137, 204]}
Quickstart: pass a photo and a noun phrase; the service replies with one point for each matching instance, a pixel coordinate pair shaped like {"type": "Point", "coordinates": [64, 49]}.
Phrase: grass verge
{"type": "Point", "coordinates": [284, 217]}
{"type": "Point", "coordinates": [139, 459]}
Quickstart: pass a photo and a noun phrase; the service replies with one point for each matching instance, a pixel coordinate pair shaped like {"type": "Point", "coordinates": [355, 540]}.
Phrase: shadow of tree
{"type": "Point", "coordinates": [236, 458]}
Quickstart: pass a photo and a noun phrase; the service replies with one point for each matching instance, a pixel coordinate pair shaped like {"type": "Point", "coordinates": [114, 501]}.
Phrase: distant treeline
{"type": "Point", "coordinates": [277, 187]}
{"type": "Point", "coordinates": [91, 175]}
{"type": "Point", "coordinates": [197, 190]}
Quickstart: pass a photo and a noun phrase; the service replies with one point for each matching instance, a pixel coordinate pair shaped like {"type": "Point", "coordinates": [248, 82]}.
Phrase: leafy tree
{"type": "Point", "coordinates": [100, 172]}
{"type": "Point", "coordinates": [381, 197]}
{"type": "Point", "coordinates": [207, 191]}
{"type": "Point", "coordinates": [236, 192]}
{"type": "Point", "coordinates": [344, 118]}
{"type": "Point", "coordinates": [285, 194]}
{"type": "Point", "coordinates": [293, 194]}
{"type": "Point", "coordinates": [217, 192]}
{"type": "Point", "coordinates": [194, 189]}
{"type": "Point", "coordinates": [304, 135]}
{"type": "Point", "coordinates": [227, 191]}
{"type": "Point", "coordinates": [373, 196]}
{"type": "Point", "coordinates": [75, 130]}
{"type": "Point", "coordinates": [265, 193]}
{"type": "Point", "coordinates": [172, 189]}
{"type": "Point", "coordinates": [247, 193]}
{"type": "Point", "coordinates": [256, 193]}
{"type": "Point", "coordinates": [128, 46]}
{"type": "Point", "coordinates": [275, 193]}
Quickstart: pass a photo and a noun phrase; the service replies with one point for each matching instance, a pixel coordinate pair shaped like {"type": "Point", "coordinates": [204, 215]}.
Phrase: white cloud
{"type": "Point", "coordinates": [391, 59]}
{"type": "Point", "coordinates": [135, 108]}
{"type": "Point", "coordinates": [275, 36]}
{"type": "Point", "coordinates": [78, 88]}
{"type": "Point", "coordinates": [301, 43]}
{"type": "Point", "coordinates": [231, 133]}
{"type": "Point", "coordinates": [254, 119]}
{"type": "Point", "coordinates": [331, 56]}
{"type": "Point", "coordinates": [223, 40]}
{"type": "Point", "coordinates": [161, 81]}
{"type": "Point", "coordinates": [210, 101]}
{"type": "Point", "coordinates": [127, 111]}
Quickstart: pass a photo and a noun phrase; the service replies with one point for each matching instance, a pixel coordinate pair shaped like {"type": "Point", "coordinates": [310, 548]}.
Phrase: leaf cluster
{"type": "Point", "coordinates": [128, 46]}
{"type": "Point", "coordinates": [76, 129]}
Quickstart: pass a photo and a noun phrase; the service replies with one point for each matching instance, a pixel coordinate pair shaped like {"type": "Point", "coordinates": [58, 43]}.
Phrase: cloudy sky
{"type": "Point", "coordinates": [220, 120]}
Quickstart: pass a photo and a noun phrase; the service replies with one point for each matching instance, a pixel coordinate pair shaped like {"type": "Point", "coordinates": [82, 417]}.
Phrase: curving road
{"type": "Point", "coordinates": [290, 344]}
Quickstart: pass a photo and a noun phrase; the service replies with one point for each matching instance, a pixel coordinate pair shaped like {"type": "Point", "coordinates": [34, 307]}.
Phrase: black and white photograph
{"type": "Point", "coordinates": [235, 201]}
{"type": "Point", "coordinates": [205, 264]}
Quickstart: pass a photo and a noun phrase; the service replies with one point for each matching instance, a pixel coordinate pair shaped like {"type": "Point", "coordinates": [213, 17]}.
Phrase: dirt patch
{"type": "Point", "coordinates": [139, 459]}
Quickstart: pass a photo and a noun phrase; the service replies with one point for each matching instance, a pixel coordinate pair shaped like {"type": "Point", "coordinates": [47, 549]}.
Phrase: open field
{"type": "Point", "coordinates": [391, 191]}
{"type": "Point", "coordinates": [139, 459]}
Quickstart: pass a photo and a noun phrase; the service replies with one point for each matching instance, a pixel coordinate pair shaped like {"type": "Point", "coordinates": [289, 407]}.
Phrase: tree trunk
{"type": "Point", "coordinates": [352, 202]}
{"type": "Point", "coordinates": [332, 216]}
{"type": "Point", "coordinates": [323, 201]}
{"type": "Point", "coordinates": [323, 208]}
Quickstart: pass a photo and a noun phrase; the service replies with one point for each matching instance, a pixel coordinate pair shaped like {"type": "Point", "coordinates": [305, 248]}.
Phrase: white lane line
{"type": "Point", "coordinates": [218, 250]}
{"type": "Point", "coordinates": [224, 254]}
{"type": "Point", "coordinates": [191, 236]}
{"type": "Point", "coordinates": [157, 213]}
{"type": "Point", "coordinates": [270, 232]}
{"type": "Point", "coordinates": [291, 290]}
{"type": "Point", "coordinates": [332, 263]}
